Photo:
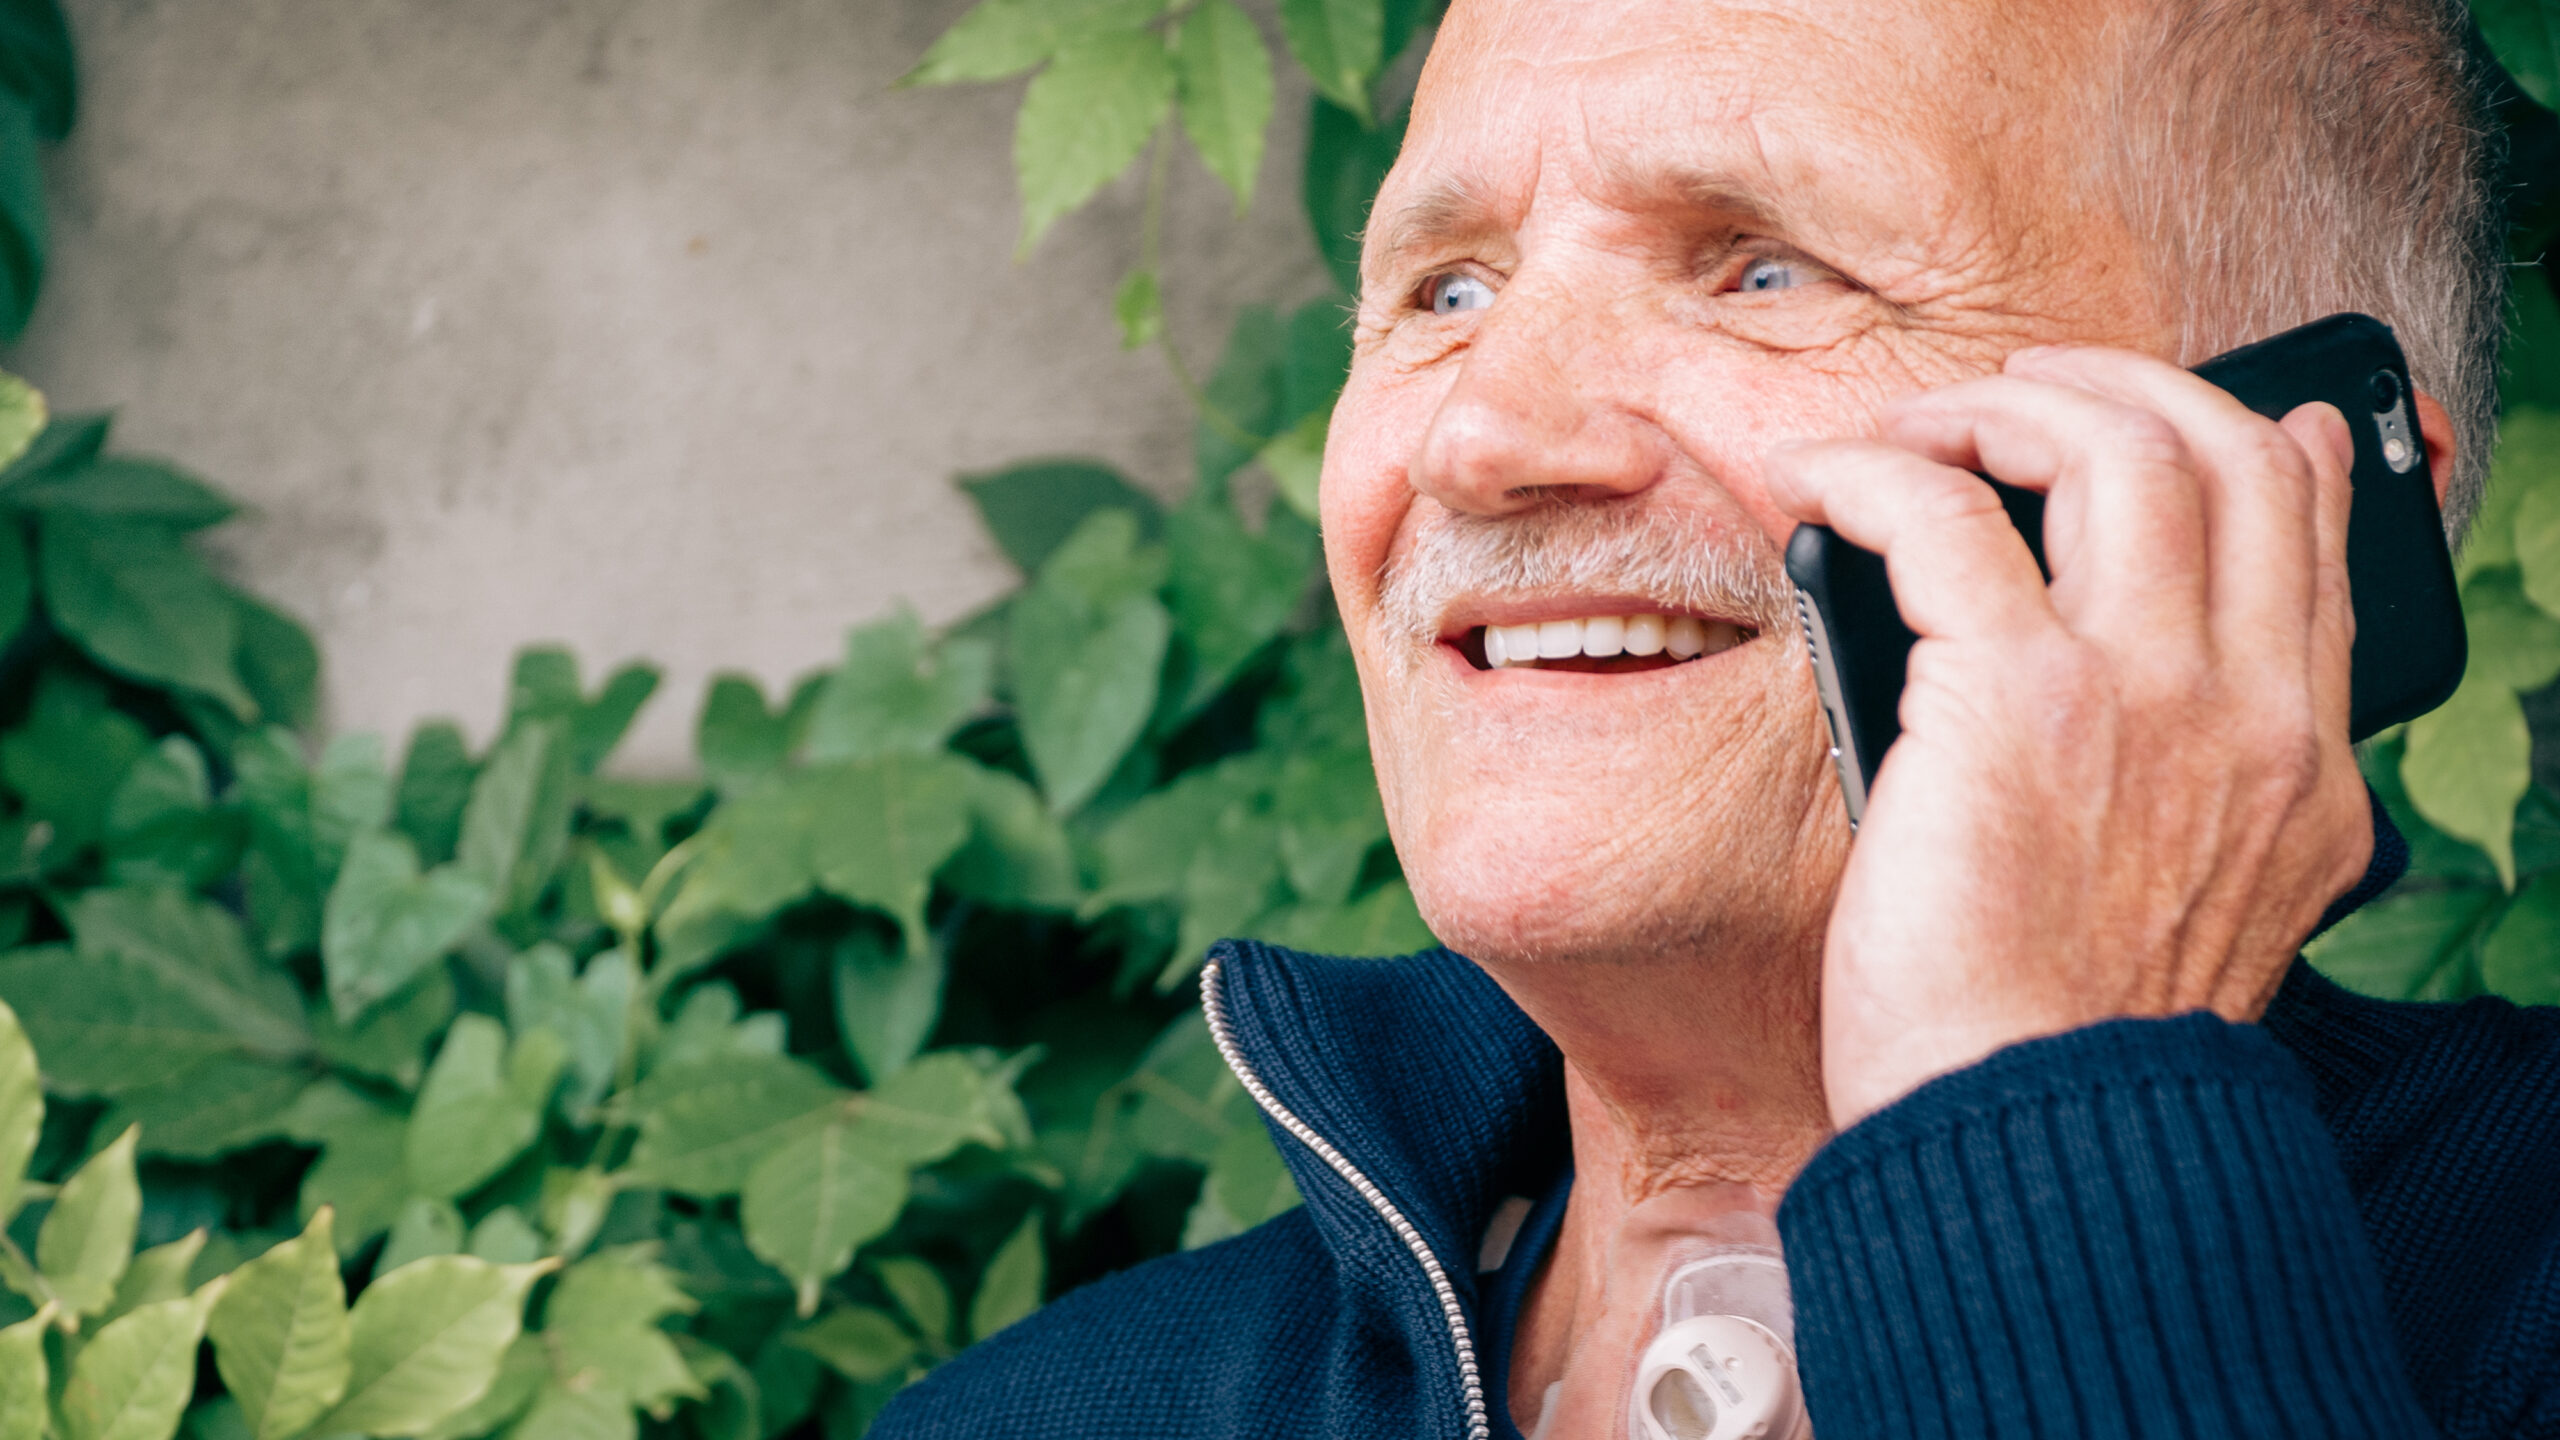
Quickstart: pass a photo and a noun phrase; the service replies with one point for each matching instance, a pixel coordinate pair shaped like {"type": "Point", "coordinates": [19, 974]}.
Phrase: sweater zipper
{"type": "Point", "coordinates": [1213, 1006]}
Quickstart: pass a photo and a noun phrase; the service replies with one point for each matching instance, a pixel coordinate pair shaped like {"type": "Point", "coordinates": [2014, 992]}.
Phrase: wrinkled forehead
{"type": "Point", "coordinates": [1876, 118]}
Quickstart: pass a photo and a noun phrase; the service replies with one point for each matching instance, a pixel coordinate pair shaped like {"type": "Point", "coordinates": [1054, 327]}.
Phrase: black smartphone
{"type": "Point", "coordinates": [2410, 646]}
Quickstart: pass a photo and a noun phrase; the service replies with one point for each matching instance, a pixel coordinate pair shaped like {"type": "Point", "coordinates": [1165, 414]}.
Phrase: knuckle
{"type": "Point", "coordinates": [2265, 452]}
{"type": "Point", "coordinates": [2144, 443]}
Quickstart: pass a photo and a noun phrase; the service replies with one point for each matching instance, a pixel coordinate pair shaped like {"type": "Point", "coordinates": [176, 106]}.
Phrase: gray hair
{"type": "Point", "coordinates": [2286, 159]}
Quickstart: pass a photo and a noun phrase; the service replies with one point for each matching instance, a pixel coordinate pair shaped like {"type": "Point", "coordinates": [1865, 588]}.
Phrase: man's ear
{"type": "Point", "coordinates": [2435, 431]}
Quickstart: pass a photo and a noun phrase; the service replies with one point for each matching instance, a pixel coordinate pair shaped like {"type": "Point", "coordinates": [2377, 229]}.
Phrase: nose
{"type": "Point", "coordinates": [1541, 411]}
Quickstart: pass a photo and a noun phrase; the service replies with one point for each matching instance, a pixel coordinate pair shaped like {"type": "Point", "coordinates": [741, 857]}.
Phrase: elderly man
{"type": "Point", "coordinates": [2068, 1142]}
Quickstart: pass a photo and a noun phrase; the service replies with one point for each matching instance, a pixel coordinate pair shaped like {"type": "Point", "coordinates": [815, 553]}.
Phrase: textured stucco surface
{"type": "Point", "coordinates": [654, 327]}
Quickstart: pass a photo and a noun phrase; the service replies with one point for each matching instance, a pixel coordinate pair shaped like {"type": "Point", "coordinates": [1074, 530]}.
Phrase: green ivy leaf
{"type": "Point", "coordinates": [2468, 763]}
{"type": "Point", "coordinates": [36, 64]}
{"type": "Point", "coordinates": [562, 1413]}
{"type": "Point", "coordinates": [1330, 820]}
{"type": "Point", "coordinates": [1148, 849]}
{"type": "Point", "coordinates": [810, 1204]}
{"type": "Point", "coordinates": [426, 1228]}
{"type": "Point", "coordinates": [881, 828]}
{"type": "Point", "coordinates": [2529, 367]}
{"type": "Point", "coordinates": [106, 1024]}
{"type": "Point", "coordinates": [1247, 1184]}
{"type": "Point", "coordinates": [1231, 591]}
{"type": "Point", "coordinates": [475, 1113]}
{"type": "Point", "coordinates": [738, 739]}
{"type": "Point", "coordinates": [219, 1104]}
{"type": "Point", "coordinates": [1295, 458]}
{"type": "Point", "coordinates": [22, 215]}
{"type": "Point", "coordinates": [163, 829]}
{"type": "Point", "coordinates": [279, 663]}
{"type": "Point", "coordinates": [602, 1323]}
{"type": "Point", "coordinates": [281, 1334]}
{"type": "Point", "coordinates": [857, 1342]}
{"type": "Point", "coordinates": [156, 1275]}
{"type": "Point", "coordinates": [21, 1112]}
{"type": "Point", "coordinates": [2521, 957]}
{"type": "Point", "coordinates": [1017, 856]}
{"type": "Point", "coordinates": [23, 417]}
{"type": "Point", "coordinates": [591, 1012]}
{"type": "Point", "coordinates": [921, 1295]}
{"type": "Point", "coordinates": [897, 693]}
{"type": "Point", "coordinates": [1085, 643]}
{"type": "Point", "coordinates": [506, 804]}
{"type": "Point", "coordinates": [141, 603]}
{"type": "Point", "coordinates": [424, 1341]}
{"type": "Point", "coordinates": [17, 582]}
{"type": "Point", "coordinates": [1347, 160]}
{"type": "Point", "coordinates": [126, 487]}
{"type": "Point", "coordinates": [1177, 1103]}
{"type": "Point", "coordinates": [67, 758]}
{"type": "Point", "coordinates": [1006, 37]}
{"type": "Point", "coordinates": [1340, 43]}
{"type": "Point", "coordinates": [704, 1126]}
{"type": "Point", "coordinates": [351, 791]}
{"type": "Point", "coordinates": [435, 786]}
{"type": "Point", "coordinates": [2525, 476]}
{"type": "Point", "coordinates": [1010, 1290]}
{"type": "Point", "coordinates": [596, 731]}
{"type": "Point", "coordinates": [934, 1106]}
{"type": "Point", "coordinates": [390, 1041]}
{"type": "Point", "coordinates": [1139, 307]}
{"type": "Point", "coordinates": [1382, 922]}
{"type": "Point", "coordinates": [1031, 509]}
{"type": "Point", "coordinates": [361, 1174]}
{"type": "Point", "coordinates": [1084, 119]}
{"type": "Point", "coordinates": [199, 950]}
{"type": "Point", "coordinates": [522, 1372]}
{"type": "Point", "coordinates": [386, 922]}
{"type": "Point", "coordinates": [2525, 35]}
{"type": "Point", "coordinates": [546, 693]}
{"type": "Point", "coordinates": [25, 1379]}
{"type": "Point", "coordinates": [505, 1237]}
{"type": "Point", "coordinates": [1224, 76]}
{"type": "Point", "coordinates": [873, 832]}
{"type": "Point", "coordinates": [886, 1001]}
{"type": "Point", "coordinates": [133, 1380]}
{"type": "Point", "coordinates": [87, 1238]}
{"type": "Point", "coordinates": [1244, 393]}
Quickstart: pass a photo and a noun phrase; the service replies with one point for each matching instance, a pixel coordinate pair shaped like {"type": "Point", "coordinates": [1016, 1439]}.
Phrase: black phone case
{"type": "Point", "coordinates": [2410, 646]}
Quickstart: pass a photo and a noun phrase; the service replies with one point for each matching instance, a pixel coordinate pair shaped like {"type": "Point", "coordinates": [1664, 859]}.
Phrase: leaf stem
{"type": "Point", "coordinates": [1150, 255]}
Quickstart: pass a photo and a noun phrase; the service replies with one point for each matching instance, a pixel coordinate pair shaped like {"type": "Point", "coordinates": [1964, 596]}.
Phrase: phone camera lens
{"type": "Point", "coordinates": [2386, 390]}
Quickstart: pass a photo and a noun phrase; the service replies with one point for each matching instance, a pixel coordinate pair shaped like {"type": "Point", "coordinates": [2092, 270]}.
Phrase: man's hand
{"type": "Point", "coordinates": [2128, 794]}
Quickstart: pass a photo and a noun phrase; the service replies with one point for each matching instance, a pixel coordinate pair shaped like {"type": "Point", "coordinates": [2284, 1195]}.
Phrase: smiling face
{"type": "Point", "coordinates": [1631, 245]}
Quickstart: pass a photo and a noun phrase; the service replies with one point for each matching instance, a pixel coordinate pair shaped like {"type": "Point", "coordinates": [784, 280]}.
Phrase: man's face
{"type": "Point", "coordinates": [1630, 246]}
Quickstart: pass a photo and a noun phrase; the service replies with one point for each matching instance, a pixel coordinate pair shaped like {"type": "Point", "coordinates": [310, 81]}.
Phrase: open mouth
{"type": "Point", "coordinates": [1598, 645]}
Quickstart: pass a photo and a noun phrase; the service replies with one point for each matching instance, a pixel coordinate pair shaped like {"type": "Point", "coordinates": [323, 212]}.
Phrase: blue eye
{"type": "Point", "coordinates": [1452, 294]}
{"type": "Point", "coordinates": [1769, 273]}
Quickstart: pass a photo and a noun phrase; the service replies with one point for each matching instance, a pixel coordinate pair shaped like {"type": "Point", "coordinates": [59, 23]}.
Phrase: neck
{"type": "Point", "coordinates": [1690, 1083]}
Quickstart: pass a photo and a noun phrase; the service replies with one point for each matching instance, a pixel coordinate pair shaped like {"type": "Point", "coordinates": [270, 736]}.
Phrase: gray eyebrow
{"type": "Point", "coordinates": [1445, 210]}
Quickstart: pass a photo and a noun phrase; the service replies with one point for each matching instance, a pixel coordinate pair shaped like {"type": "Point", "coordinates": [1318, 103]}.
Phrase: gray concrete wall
{"type": "Point", "coordinates": [654, 327]}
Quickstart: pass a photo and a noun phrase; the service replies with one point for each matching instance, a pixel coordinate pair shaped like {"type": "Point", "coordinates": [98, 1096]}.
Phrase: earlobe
{"type": "Point", "coordinates": [2435, 429]}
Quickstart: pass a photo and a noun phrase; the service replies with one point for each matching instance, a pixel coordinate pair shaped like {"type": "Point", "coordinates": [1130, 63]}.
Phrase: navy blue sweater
{"type": "Point", "coordinates": [2344, 1221]}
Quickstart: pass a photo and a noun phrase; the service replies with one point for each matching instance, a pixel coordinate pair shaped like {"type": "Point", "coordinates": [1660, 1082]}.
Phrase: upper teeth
{"type": "Point", "coordinates": [1603, 636]}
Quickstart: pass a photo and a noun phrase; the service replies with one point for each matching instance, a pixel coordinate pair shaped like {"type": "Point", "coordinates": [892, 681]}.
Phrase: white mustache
{"type": "Point", "coordinates": [1579, 548]}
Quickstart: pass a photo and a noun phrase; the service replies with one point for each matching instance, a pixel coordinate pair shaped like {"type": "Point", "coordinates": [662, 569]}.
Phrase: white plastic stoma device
{"type": "Point", "coordinates": [1723, 1366]}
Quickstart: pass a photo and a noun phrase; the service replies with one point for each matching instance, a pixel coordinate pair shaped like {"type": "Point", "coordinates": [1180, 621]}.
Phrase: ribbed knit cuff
{"type": "Point", "coordinates": [2140, 1228]}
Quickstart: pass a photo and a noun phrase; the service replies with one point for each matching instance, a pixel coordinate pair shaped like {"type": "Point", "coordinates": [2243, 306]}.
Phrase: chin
{"type": "Point", "coordinates": [1637, 834]}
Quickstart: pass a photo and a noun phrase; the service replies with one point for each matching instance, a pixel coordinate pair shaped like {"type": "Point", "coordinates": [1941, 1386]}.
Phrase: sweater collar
{"type": "Point", "coordinates": [1422, 1097]}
